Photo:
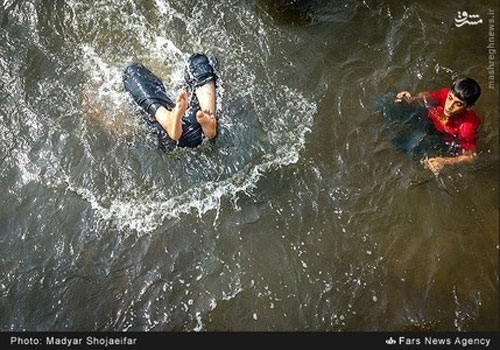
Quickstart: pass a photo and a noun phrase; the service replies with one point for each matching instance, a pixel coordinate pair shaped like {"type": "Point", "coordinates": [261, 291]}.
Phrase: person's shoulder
{"type": "Point", "coordinates": [439, 94]}
{"type": "Point", "coordinates": [442, 92]}
{"type": "Point", "coordinates": [470, 121]}
{"type": "Point", "coordinates": [472, 117]}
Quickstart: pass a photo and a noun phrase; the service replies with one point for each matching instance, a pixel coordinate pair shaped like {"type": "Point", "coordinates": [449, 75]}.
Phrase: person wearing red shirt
{"type": "Point", "coordinates": [450, 111]}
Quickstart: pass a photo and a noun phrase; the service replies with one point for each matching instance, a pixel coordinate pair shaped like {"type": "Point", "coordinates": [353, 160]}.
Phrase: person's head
{"type": "Point", "coordinates": [463, 94]}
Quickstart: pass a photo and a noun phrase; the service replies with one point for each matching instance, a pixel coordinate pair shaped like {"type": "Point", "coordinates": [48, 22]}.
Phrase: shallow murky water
{"type": "Point", "coordinates": [300, 216]}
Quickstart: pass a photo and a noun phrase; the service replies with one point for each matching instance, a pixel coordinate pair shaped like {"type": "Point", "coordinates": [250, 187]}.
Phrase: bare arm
{"type": "Point", "coordinates": [436, 164]}
{"type": "Point", "coordinates": [406, 96]}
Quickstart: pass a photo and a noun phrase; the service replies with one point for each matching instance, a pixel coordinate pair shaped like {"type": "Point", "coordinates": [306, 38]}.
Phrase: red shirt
{"type": "Point", "coordinates": [461, 129]}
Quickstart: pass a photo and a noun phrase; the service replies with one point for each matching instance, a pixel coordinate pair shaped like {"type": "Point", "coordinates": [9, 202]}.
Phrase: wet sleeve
{"type": "Point", "coordinates": [468, 135]}
{"type": "Point", "coordinates": [438, 97]}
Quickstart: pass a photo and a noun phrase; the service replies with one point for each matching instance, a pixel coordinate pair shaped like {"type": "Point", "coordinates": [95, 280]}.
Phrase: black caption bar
{"type": "Point", "coordinates": [336, 340]}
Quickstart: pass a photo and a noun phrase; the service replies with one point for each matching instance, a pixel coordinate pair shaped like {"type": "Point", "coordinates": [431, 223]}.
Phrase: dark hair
{"type": "Point", "coordinates": [466, 89]}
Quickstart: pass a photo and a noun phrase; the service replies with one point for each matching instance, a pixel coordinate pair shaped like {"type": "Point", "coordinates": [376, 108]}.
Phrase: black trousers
{"type": "Point", "coordinates": [148, 91]}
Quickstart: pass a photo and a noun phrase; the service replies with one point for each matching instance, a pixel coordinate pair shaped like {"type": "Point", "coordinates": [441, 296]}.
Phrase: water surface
{"type": "Point", "coordinates": [300, 216]}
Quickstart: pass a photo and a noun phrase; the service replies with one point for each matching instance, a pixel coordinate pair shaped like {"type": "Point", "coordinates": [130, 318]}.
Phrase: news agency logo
{"type": "Point", "coordinates": [390, 341]}
{"type": "Point", "coordinates": [465, 18]}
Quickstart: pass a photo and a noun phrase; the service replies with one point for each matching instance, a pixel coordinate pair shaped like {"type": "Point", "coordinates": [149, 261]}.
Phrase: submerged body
{"type": "Point", "coordinates": [450, 114]}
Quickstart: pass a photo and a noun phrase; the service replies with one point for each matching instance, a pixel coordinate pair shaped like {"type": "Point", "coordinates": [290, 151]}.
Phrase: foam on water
{"type": "Point", "coordinates": [285, 129]}
{"type": "Point", "coordinates": [344, 246]}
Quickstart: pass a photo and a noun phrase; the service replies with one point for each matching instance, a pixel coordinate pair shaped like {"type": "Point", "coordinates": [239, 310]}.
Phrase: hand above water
{"type": "Point", "coordinates": [435, 164]}
{"type": "Point", "coordinates": [404, 95]}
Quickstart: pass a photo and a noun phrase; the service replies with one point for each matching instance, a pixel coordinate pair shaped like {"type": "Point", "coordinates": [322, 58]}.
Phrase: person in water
{"type": "Point", "coordinates": [185, 122]}
{"type": "Point", "coordinates": [450, 112]}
